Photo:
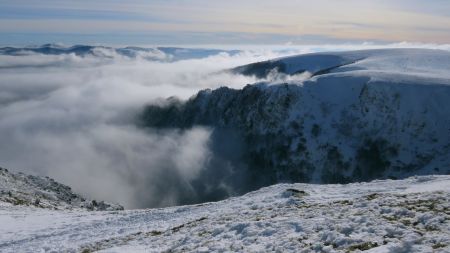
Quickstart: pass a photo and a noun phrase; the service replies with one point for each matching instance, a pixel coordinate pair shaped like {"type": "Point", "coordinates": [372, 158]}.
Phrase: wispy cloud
{"type": "Point", "coordinates": [347, 19]}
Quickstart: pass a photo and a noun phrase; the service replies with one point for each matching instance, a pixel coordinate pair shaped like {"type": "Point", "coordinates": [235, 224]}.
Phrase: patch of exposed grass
{"type": "Point", "coordinates": [297, 193]}
{"type": "Point", "coordinates": [362, 246]}
{"type": "Point", "coordinates": [372, 196]}
{"type": "Point", "coordinates": [439, 246]}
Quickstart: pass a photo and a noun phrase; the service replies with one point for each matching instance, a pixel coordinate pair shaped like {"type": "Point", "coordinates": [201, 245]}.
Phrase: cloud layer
{"type": "Point", "coordinates": [73, 118]}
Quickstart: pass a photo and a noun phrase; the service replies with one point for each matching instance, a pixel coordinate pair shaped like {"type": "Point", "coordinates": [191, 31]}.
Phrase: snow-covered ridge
{"type": "Point", "coordinates": [19, 189]}
{"type": "Point", "coordinates": [375, 114]}
{"type": "Point", "coordinates": [414, 62]}
{"type": "Point", "coordinates": [410, 215]}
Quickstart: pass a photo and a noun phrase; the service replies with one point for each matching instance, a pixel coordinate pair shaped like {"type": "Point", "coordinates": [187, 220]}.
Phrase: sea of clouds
{"type": "Point", "coordinates": [73, 118]}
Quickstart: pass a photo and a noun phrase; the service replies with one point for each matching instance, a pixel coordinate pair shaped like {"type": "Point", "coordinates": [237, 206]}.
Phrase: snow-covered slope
{"type": "Point", "coordinates": [409, 215]}
{"type": "Point", "coordinates": [18, 189]}
{"type": "Point", "coordinates": [358, 115]}
{"type": "Point", "coordinates": [380, 63]}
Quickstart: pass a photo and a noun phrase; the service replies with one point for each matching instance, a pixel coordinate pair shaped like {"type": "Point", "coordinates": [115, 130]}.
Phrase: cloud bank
{"type": "Point", "coordinates": [72, 118]}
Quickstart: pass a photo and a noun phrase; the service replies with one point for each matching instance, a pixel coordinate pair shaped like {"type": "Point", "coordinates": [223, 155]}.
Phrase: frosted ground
{"type": "Point", "coordinates": [410, 215]}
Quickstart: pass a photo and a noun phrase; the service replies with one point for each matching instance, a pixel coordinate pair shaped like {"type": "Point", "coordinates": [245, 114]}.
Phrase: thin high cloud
{"type": "Point", "coordinates": [350, 20]}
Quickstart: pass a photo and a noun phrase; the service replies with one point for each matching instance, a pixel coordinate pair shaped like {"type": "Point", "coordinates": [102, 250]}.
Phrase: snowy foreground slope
{"type": "Point", "coordinates": [325, 118]}
{"type": "Point", "coordinates": [411, 215]}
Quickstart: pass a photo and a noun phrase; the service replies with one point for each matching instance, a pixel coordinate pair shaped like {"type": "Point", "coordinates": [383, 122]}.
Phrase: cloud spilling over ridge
{"type": "Point", "coordinates": [73, 118]}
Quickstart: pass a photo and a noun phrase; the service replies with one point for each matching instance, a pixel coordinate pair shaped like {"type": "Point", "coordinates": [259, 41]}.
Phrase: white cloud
{"type": "Point", "coordinates": [72, 118]}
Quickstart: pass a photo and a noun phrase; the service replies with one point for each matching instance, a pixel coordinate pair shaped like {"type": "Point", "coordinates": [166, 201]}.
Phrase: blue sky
{"type": "Point", "coordinates": [174, 22]}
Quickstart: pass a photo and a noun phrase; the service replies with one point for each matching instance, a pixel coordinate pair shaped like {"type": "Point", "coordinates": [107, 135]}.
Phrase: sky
{"type": "Point", "coordinates": [173, 22]}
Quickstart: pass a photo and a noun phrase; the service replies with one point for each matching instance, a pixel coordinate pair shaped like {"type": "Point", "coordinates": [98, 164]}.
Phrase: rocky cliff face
{"type": "Point", "coordinates": [375, 114]}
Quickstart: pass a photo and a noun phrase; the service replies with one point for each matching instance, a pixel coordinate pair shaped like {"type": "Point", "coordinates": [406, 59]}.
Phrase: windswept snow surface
{"type": "Point", "coordinates": [374, 63]}
{"type": "Point", "coordinates": [410, 215]}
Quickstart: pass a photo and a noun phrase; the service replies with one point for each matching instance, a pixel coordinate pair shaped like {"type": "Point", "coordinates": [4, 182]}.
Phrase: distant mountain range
{"type": "Point", "coordinates": [157, 53]}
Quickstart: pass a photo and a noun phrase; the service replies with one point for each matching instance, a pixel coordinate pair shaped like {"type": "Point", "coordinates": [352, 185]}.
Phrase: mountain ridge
{"type": "Point", "coordinates": [361, 121]}
{"type": "Point", "coordinates": [149, 53]}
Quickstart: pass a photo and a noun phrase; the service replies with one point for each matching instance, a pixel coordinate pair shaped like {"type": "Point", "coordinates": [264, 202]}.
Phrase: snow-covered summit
{"type": "Point", "coordinates": [19, 189]}
{"type": "Point", "coordinates": [381, 62]}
